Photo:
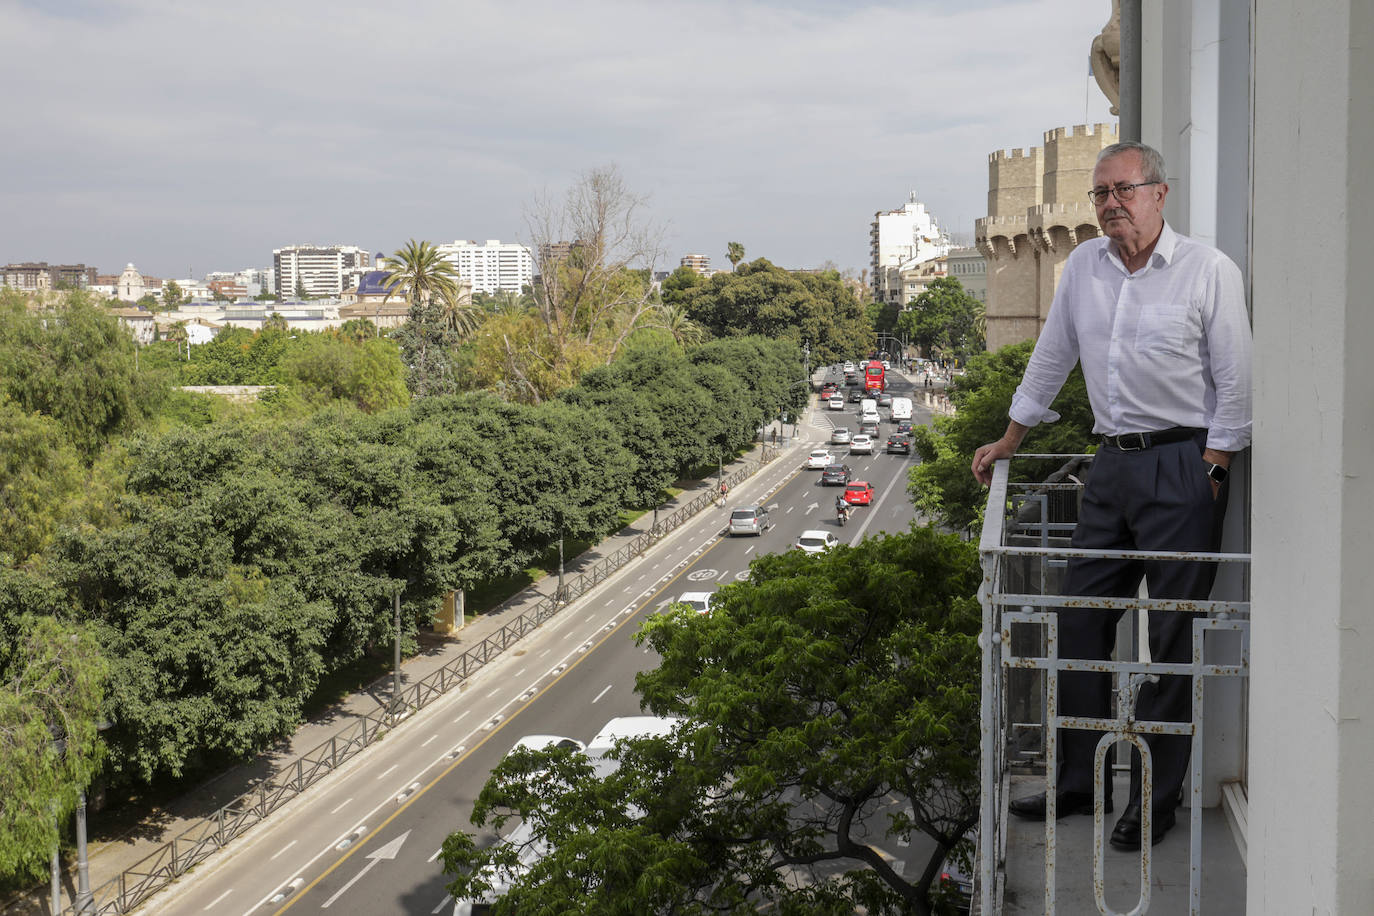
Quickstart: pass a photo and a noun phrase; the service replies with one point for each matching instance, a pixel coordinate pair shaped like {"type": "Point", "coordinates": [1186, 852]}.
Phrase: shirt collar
{"type": "Point", "coordinates": [1164, 248]}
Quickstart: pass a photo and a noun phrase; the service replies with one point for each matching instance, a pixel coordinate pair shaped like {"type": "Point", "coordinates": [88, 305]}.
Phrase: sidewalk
{"type": "Point", "coordinates": [111, 854]}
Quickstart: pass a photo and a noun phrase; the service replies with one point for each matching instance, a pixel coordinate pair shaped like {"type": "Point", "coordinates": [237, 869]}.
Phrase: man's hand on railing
{"type": "Point", "coordinates": [1004, 447]}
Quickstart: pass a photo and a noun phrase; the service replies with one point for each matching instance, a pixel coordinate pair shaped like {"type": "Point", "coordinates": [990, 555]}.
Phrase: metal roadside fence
{"type": "Point", "coordinates": [132, 887]}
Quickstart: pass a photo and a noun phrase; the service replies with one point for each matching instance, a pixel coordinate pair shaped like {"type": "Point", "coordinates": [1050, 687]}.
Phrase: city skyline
{"type": "Point", "coordinates": [781, 126]}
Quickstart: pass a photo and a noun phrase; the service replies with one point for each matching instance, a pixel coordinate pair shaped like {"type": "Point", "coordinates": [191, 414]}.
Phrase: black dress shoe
{"type": "Point", "coordinates": [1126, 834]}
{"type": "Point", "coordinates": [1032, 807]}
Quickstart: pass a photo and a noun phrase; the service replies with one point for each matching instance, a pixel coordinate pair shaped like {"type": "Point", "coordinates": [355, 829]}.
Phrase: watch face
{"type": "Point", "coordinates": [1217, 473]}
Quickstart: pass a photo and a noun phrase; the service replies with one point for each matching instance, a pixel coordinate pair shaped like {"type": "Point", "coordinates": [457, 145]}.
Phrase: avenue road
{"type": "Point", "coordinates": [366, 839]}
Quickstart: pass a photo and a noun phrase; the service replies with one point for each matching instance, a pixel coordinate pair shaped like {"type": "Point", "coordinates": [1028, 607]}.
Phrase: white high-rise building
{"type": "Point", "coordinates": [899, 239]}
{"type": "Point", "coordinates": [491, 266]}
{"type": "Point", "coordinates": [319, 268]}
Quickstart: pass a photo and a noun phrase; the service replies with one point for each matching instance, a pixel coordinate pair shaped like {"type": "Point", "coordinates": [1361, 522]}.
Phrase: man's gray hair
{"type": "Point", "coordinates": [1151, 162]}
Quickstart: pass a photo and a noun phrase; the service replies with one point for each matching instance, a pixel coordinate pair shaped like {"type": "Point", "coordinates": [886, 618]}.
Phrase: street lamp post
{"type": "Point", "coordinates": [396, 674]}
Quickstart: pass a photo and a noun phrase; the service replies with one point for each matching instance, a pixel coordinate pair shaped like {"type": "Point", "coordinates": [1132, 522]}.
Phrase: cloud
{"type": "Point", "coordinates": [173, 134]}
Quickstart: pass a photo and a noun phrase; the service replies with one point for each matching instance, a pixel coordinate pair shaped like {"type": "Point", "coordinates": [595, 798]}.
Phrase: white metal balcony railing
{"type": "Point", "coordinates": [1024, 550]}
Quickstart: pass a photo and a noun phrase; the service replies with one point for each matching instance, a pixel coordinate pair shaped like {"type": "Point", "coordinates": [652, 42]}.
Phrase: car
{"type": "Point", "coordinates": [816, 541]}
{"type": "Point", "coordinates": [884, 399]}
{"type": "Point", "coordinates": [869, 429]}
{"type": "Point", "coordinates": [904, 427]}
{"type": "Point", "coordinates": [828, 392]}
{"type": "Point", "coordinates": [861, 445]}
{"type": "Point", "coordinates": [749, 520]}
{"type": "Point", "coordinates": [835, 402]}
{"type": "Point", "coordinates": [898, 443]}
{"type": "Point", "coordinates": [857, 395]}
{"type": "Point", "coordinates": [543, 742]}
{"type": "Point", "coordinates": [698, 601]}
{"type": "Point", "coordinates": [848, 366]}
{"type": "Point", "coordinates": [858, 493]}
{"type": "Point", "coordinates": [836, 474]}
{"type": "Point", "coordinates": [839, 436]}
{"type": "Point", "coordinates": [955, 884]}
{"type": "Point", "coordinates": [819, 460]}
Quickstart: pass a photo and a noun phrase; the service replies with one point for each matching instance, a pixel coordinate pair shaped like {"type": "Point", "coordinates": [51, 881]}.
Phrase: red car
{"type": "Point", "coordinates": [858, 493]}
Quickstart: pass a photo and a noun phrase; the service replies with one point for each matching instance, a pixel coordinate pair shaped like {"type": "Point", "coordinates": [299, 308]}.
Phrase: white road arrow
{"type": "Point", "coordinates": [389, 851]}
{"type": "Point", "coordinates": [812, 507]}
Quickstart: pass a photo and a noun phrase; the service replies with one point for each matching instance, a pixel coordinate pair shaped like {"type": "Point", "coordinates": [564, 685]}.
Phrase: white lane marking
{"type": "Point", "coordinates": [723, 574]}
{"type": "Point", "coordinates": [521, 672]}
{"type": "Point", "coordinates": [750, 550]}
{"type": "Point", "coordinates": [435, 856]}
{"type": "Point", "coordinates": [341, 807]}
{"type": "Point", "coordinates": [493, 693]}
{"type": "Point", "coordinates": [602, 693]}
{"type": "Point", "coordinates": [448, 898]}
{"type": "Point", "coordinates": [389, 851]}
{"type": "Point", "coordinates": [212, 903]}
{"type": "Point", "coordinates": [429, 739]}
{"type": "Point", "coordinates": [280, 851]}
{"type": "Point", "coordinates": [542, 654]}
{"type": "Point", "coordinates": [388, 771]}
{"type": "Point", "coordinates": [460, 718]}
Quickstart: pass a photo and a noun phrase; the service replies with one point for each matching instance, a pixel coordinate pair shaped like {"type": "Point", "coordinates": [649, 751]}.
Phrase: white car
{"type": "Point", "coordinates": [697, 601]}
{"type": "Point", "coordinates": [836, 402]}
{"type": "Point", "coordinates": [819, 460]}
{"type": "Point", "coordinates": [861, 445]}
{"type": "Point", "coordinates": [848, 366]}
{"type": "Point", "coordinates": [816, 541]}
{"type": "Point", "coordinates": [542, 742]}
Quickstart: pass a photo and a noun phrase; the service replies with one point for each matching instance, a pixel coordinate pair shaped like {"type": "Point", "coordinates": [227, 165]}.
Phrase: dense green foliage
{"type": "Point", "coordinates": [942, 485]}
{"type": "Point", "coordinates": [52, 681]}
{"type": "Point", "coordinates": [943, 320]}
{"type": "Point", "coordinates": [830, 706]}
{"type": "Point", "coordinates": [767, 301]}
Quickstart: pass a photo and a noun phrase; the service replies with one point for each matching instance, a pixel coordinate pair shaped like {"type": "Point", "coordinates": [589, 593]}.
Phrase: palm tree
{"type": "Point", "coordinates": [735, 252]}
{"type": "Point", "coordinates": [421, 273]}
{"type": "Point", "coordinates": [427, 281]}
{"type": "Point", "coordinates": [459, 314]}
{"type": "Point", "coordinates": [673, 319]}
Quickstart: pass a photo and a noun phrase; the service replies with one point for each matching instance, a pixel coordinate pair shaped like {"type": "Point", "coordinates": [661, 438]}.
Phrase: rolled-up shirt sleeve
{"type": "Point", "coordinates": [1227, 325]}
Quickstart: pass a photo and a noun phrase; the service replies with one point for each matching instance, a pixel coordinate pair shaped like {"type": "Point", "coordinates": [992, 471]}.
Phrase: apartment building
{"type": "Point", "coordinates": [319, 269]}
{"type": "Point", "coordinates": [491, 266]}
{"type": "Point", "coordinates": [37, 275]}
{"type": "Point", "coordinates": [698, 262]}
{"type": "Point", "coordinates": [899, 239]}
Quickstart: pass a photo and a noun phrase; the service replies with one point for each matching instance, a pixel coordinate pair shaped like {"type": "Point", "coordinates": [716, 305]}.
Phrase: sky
{"type": "Point", "coordinates": [195, 137]}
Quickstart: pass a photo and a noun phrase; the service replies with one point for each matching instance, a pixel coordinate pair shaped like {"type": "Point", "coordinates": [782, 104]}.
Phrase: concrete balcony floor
{"type": "Point", "coordinates": [1223, 872]}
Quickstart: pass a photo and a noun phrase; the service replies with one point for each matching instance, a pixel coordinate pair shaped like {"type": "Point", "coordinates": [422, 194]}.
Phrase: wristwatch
{"type": "Point", "coordinates": [1217, 473]}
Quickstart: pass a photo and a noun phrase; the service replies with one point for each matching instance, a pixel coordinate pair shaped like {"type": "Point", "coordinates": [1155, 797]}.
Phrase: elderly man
{"type": "Point", "coordinates": [1159, 323]}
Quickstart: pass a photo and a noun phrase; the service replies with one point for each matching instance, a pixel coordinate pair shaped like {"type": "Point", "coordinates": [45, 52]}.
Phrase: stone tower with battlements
{"type": "Point", "coordinates": [1038, 211]}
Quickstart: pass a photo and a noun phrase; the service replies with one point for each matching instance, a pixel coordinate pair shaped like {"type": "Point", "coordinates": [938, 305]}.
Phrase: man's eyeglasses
{"type": "Point", "coordinates": [1122, 192]}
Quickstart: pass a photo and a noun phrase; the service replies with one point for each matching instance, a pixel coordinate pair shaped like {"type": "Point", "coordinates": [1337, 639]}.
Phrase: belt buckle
{"type": "Point", "coordinates": [1141, 438]}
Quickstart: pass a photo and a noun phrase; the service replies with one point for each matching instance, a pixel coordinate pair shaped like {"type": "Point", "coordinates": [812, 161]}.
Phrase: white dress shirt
{"type": "Point", "coordinates": [1168, 345]}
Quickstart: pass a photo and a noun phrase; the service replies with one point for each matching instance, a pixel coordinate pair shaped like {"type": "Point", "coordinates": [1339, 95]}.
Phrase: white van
{"type": "Point", "coordinates": [868, 411]}
{"type": "Point", "coordinates": [901, 409]}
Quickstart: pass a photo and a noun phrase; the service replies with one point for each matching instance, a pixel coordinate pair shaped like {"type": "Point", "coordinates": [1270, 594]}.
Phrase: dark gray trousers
{"type": "Point", "coordinates": [1158, 498]}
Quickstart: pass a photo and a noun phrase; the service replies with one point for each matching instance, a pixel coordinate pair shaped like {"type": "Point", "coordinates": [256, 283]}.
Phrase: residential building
{"type": "Point", "coordinates": [370, 299]}
{"type": "Point", "coordinates": [900, 239]}
{"type": "Point", "coordinates": [40, 275]}
{"type": "Point", "coordinates": [140, 322]}
{"type": "Point", "coordinates": [698, 262]}
{"type": "Point", "coordinates": [1267, 167]}
{"type": "Point", "coordinates": [970, 268]}
{"type": "Point", "coordinates": [1038, 212]}
{"type": "Point", "coordinates": [914, 277]}
{"type": "Point", "coordinates": [492, 265]}
{"type": "Point", "coordinates": [318, 269]}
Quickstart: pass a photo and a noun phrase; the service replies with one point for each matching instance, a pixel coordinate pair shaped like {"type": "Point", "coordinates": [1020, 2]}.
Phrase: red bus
{"type": "Point", "coordinates": [874, 378]}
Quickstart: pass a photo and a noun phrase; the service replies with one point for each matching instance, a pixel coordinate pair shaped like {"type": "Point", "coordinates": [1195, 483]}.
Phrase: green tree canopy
{"type": "Point", "coordinates": [760, 299]}
{"type": "Point", "coordinates": [942, 320]}
{"type": "Point", "coordinates": [52, 685]}
{"type": "Point", "coordinates": [428, 281]}
{"type": "Point", "coordinates": [675, 287]}
{"type": "Point", "coordinates": [830, 706]}
{"type": "Point", "coordinates": [735, 252]}
{"type": "Point", "coordinates": [942, 485]}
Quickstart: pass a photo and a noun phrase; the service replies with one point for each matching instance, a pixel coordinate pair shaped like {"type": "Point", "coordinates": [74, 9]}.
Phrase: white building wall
{"type": "Point", "coordinates": [492, 265]}
{"type": "Point", "coordinates": [905, 237]}
{"type": "Point", "coordinates": [1312, 711]}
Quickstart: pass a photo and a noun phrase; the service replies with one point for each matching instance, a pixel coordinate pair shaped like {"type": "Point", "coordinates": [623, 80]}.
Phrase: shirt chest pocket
{"type": "Point", "coordinates": [1165, 327]}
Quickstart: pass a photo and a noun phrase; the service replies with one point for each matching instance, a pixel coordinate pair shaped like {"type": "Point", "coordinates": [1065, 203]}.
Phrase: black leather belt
{"type": "Point", "coordinates": [1135, 442]}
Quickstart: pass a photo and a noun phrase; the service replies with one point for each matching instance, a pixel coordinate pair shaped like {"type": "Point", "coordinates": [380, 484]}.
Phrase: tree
{"type": "Point", "coordinates": [366, 373]}
{"type": "Point", "coordinates": [735, 252]}
{"type": "Point", "coordinates": [942, 485]}
{"type": "Point", "coordinates": [40, 475]}
{"type": "Point", "coordinates": [674, 320]}
{"type": "Point", "coordinates": [52, 687]}
{"type": "Point", "coordinates": [172, 296]}
{"type": "Point", "coordinates": [943, 318]}
{"type": "Point", "coordinates": [428, 281]}
{"type": "Point", "coordinates": [676, 286]}
{"type": "Point", "coordinates": [302, 294]}
{"type": "Point", "coordinates": [830, 704]}
{"type": "Point", "coordinates": [75, 363]}
{"type": "Point", "coordinates": [761, 299]}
